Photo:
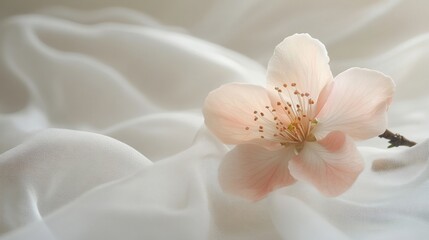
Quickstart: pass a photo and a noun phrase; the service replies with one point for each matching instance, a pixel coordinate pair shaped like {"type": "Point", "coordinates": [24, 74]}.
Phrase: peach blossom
{"type": "Point", "coordinates": [301, 126]}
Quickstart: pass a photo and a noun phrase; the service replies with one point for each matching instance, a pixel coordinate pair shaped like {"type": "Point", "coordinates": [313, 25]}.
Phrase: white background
{"type": "Point", "coordinates": [101, 134]}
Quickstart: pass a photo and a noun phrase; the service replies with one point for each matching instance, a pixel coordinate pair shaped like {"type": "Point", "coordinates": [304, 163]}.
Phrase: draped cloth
{"type": "Point", "coordinates": [102, 136]}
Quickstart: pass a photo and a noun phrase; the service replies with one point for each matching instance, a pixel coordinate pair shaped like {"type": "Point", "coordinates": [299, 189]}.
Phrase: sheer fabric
{"type": "Point", "coordinates": [102, 135]}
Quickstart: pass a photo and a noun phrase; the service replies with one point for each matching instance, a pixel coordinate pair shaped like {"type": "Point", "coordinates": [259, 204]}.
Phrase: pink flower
{"type": "Point", "coordinates": [302, 126]}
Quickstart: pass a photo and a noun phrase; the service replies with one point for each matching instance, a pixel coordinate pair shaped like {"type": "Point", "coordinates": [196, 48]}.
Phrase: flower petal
{"type": "Point", "coordinates": [331, 165]}
{"type": "Point", "coordinates": [357, 104]}
{"type": "Point", "coordinates": [303, 60]}
{"type": "Point", "coordinates": [229, 113]}
{"type": "Point", "coordinates": [253, 172]}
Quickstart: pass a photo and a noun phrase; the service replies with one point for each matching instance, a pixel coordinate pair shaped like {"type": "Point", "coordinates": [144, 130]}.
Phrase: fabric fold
{"type": "Point", "coordinates": [101, 129]}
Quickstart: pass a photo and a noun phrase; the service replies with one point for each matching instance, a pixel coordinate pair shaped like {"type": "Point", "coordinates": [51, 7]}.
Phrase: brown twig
{"type": "Point", "coordinates": [396, 140]}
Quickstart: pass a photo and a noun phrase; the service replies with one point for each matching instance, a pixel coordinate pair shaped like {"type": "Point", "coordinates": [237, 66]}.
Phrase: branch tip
{"type": "Point", "coordinates": [396, 140]}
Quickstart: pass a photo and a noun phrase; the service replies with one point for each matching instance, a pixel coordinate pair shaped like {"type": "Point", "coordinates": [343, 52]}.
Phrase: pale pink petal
{"type": "Point", "coordinates": [331, 165]}
{"type": "Point", "coordinates": [253, 172]}
{"type": "Point", "coordinates": [357, 104]}
{"type": "Point", "coordinates": [323, 97]}
{"type": "Point", "coordinates": [300, 59]}
{"type": "Point", "coordinates": [229, 113]}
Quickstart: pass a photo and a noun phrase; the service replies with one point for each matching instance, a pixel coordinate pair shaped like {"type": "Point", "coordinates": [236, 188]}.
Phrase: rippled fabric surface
{"type": "Point", "coordinates": [102, 136]}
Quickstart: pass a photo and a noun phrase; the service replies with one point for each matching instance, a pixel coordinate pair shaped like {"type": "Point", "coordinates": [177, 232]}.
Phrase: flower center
{"type": "Point", "coordinates": [290, 120]}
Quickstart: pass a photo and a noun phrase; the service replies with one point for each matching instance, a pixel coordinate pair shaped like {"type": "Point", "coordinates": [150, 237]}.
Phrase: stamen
{"type": "Point", "coordinates": [293, 126]}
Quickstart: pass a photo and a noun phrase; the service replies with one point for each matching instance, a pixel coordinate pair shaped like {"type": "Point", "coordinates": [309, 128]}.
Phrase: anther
{"type": "Point", "coordinates": [293, 84]}
{"type": "Point", "coordinates": [247, 128]}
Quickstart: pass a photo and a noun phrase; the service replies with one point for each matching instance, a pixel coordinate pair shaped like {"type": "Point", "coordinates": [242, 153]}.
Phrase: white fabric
{"type": "Point", "coordinates": [101, 134]}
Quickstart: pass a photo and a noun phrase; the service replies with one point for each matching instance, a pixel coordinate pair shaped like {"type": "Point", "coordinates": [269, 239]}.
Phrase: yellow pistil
{"type": "Point", "coordinates": [289, 121]}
